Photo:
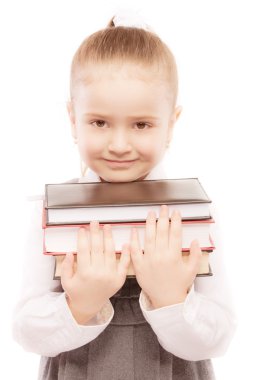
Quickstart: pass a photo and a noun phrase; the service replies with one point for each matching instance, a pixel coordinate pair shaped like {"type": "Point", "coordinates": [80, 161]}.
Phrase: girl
{"type": "Point", "coordinates": [96, 323]}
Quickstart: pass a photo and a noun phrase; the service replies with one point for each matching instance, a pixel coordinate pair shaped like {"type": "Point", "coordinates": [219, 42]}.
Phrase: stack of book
{"type": "Point", "coordinates": [68, 206]}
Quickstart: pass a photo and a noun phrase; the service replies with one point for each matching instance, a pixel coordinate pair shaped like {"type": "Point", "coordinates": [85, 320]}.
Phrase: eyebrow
{"type": "Point", "coordinates": [139, 117]}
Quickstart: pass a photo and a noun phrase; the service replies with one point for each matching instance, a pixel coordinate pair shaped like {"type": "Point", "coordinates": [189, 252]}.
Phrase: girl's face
{"type": "Point", "coordinates": [122, 119]}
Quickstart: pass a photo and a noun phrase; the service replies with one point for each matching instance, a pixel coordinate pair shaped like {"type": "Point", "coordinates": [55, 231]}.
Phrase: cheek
{"type": "Point", "coordinates": [151, 148]}
{"type": "Point", "coordinates": [89, 146]}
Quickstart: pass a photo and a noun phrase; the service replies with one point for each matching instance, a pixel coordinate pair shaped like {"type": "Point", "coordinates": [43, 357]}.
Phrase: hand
{"type": "Point", "coordinates": [161, 271]}
{"type": "Point", "coordinates": [98, 274]}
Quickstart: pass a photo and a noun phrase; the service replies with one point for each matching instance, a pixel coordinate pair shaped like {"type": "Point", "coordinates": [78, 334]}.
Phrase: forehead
{"type": "Point", "coordinates": [122, 82]}
{"type": "Point", "coordinates": [111, 70]}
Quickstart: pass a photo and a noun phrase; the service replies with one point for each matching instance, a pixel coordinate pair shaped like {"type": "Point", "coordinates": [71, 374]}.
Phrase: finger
{"type": "Point", "coordinates": [83, 249]}
{"type": "Point", "coordinates": [109, 248]}
{"type": "Point", "coordinates": [96, 244]}
{"type": "Point", "coordinates": [195, 257]}
{"type": "Point", "coordinates": [67, 269]}
{"type": "Point", "coordinates": [124, 261]}
{"type": "Point", "coordinates": [175, 235]}
{"type": "Point", "coordinates": [135, 249]}
{"type": "Point", "coordinates": [150, 234]}
{"type": "Point", "coordinates": [162, 231]}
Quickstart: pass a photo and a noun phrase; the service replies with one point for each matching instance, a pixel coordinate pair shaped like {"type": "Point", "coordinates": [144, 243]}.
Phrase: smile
{"type": "Point", "coordinates": [120, 164]}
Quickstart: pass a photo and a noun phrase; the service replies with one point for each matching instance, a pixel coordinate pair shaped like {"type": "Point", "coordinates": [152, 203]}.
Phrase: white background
{"type": "Point", "coordinates": [212, 42]}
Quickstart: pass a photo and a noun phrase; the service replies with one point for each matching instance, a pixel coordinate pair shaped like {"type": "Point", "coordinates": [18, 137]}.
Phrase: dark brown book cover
{"type": "Point", "coordinates": [146, 192]}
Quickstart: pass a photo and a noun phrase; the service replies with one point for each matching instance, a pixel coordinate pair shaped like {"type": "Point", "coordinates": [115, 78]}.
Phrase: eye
{"type": "Point", "coordinates": [142, 125]}
{"type": "Point", "coordinates": [98, 123]}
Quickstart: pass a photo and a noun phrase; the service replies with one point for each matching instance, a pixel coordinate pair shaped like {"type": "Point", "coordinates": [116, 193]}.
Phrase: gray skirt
{"type": "Point", "coordinates": [127, 349]}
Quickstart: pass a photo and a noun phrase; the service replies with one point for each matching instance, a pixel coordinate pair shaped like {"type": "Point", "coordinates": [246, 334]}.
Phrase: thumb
{"type": "Point", "coordinates": [195, 256]}
{"type": "Point", "coordinates": [124, 260]}
{"type": "Point", "coordinates": [67, 269]}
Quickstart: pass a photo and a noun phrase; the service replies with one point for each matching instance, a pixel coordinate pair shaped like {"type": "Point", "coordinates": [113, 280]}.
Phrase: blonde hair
{"type": "Point", "coordinates": [124, 44]}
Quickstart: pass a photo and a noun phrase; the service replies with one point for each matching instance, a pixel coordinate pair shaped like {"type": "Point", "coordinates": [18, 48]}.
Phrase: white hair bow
{"type": "Point", "coordinates": [130, 18]}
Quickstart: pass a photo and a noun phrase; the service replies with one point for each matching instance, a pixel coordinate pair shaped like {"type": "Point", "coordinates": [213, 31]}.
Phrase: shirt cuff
{"type": "Point", "coordinates": [67, 334]}
{"type": "Point", "coordinates": [102, 318]}
{"type": "Point", "coordinates": [186, 310]}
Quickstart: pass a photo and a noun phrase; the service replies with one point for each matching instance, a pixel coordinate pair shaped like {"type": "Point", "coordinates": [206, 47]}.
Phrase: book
{"type": "Point", "coordinates": [68, 206]}
{"type": "Point", "coordinates": [61, 239]}
{"type": "Point", "coordinates": [204, 269]}
{"type": "Point", "coordinates": [79, 203]}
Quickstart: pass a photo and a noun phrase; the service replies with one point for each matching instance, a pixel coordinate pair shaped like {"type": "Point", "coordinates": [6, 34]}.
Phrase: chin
{"type": "Point", "coordinates": [123, 177]}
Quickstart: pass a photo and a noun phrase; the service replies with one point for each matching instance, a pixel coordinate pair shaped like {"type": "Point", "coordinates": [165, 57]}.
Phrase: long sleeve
{"type": "Point", "coordinates": [203, 325]}
{"type": "Point", "coordinates": [42, 321]}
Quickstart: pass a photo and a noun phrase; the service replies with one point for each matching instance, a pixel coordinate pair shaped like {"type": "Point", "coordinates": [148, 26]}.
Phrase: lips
{"type": "Point", "coordinates": [120, 163]}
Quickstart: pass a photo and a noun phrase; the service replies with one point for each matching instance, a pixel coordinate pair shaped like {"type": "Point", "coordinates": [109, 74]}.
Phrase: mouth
{"type": "Point", "coordinates": [120, 163]}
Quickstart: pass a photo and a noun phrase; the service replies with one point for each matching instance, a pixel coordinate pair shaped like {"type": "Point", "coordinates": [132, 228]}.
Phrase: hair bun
{"type": "Point", "coordinates": [128, 18]}
{"type": "Point", "coordinates": [111, 23]}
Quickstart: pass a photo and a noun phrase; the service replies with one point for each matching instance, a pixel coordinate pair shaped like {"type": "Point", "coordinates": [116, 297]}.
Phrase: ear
{"type": "Point", "coordinates": [177, 112]}
{"type": "Point", "coordinates": [70, 109]}
{"type": "Point", "coordinates": [174, 117]}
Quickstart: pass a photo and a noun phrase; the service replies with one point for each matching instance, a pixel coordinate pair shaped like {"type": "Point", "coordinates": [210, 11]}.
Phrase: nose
{"type": "Point", "coordinates": [119, 142]}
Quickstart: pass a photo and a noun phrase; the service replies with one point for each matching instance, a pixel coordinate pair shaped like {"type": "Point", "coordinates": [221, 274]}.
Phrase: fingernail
{"type": "Point", "coordinates": [134, 231]}
{"type": "Point", "coordinates": [152, 214]}
{"type": "Point", "coordinates": [176, 214]}
{"type": "Point", "coordinates": [164, 210]}
{"type": "Point", "coordinates": [94, 223]}
{"type": "Point", "coordinates": [195, 244]}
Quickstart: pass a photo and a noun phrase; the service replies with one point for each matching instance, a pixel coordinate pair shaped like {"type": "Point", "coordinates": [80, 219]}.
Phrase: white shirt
{"type": "Point", "coordinates": [199, 328]}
